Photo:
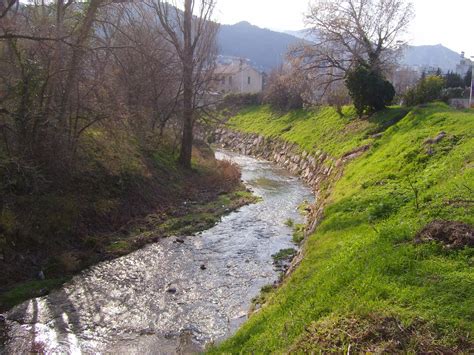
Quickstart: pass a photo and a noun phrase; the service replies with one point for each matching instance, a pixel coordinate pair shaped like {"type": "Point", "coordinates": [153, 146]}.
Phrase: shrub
{"type": "Point", "coordinates": [286, 89]}
{"type": "Point", "coordinates": [229, 172]}
{"type": "Point", "coordinates": [239, 100]}
{"type": "Point", "coordinates": [451, 93]}
{"type": "Point", "coordinates": [369, 90]}
{"type": "Point", "coordinates": [428, 89]}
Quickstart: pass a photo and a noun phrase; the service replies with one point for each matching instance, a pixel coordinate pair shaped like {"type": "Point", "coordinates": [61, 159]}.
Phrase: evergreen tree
{"type": "Point", "coordinates": [453, 80]}
{"type": "Point", "coordinates": [468, 78]}
{"type": "Point", "coordinates": [369, 90]}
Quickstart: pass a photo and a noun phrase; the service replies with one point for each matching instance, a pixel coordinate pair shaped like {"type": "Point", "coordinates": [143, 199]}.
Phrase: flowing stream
{"type": "Point", "coordinates": [169, 297]}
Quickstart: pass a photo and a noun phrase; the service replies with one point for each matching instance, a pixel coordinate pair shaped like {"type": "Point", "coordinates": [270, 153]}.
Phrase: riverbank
{"type": "Point", "coordinates": [124, 196]}
{"type": "Point", "coordinates": [389, 266]}
{"type": "Point", "coordinates": [178, 295]}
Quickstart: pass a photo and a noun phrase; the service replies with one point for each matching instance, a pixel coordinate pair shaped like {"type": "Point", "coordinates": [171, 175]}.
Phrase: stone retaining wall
{"type": "Point", "coordinates": [318, 170]}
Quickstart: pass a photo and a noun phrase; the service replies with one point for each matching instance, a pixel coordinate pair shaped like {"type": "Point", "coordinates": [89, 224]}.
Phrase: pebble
{"type": "Point", "coordinates": [203, 267]}
{"type": "Point", "coordinates": [171, 290]}
{"type": "Point", "coordinates": [179, 240]}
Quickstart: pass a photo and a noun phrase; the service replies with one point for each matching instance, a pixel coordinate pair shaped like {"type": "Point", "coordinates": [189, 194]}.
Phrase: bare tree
{"type": "Point", "coordinates": [7, 5]}
{"type": "Point", "coordinates": [192, 34]}
{"type": "Point", "coordinates": [349, 32]}
{"type": "Point", "coordinates": [144, 67]}
{"type": "Point", "coordinates": [45, 82]}
{"type": "Point", "coordinates": [288, 87]}
{"type": "Point", "coordinates": [66, 66]}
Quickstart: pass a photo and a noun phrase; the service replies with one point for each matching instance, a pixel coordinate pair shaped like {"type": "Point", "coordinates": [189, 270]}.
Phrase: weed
{"type": "Point", "coordinates": [298, 233]}
{"type": "Point", "coordinates": [284, 254]}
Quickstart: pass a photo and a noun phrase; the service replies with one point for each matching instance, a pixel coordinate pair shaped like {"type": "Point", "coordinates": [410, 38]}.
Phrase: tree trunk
{"type": "Point", "coordinates": [73, 66]}
{"type": "Point", "coordinates": [188, 107]}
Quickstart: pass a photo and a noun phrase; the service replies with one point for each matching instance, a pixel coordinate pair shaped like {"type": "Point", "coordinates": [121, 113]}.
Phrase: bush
{"type": "Point", "coordinates": [286, 89]}
{"type": "Point", "coordinates": [239, 100]}
{"type": "Point", "coordinates": [428, 89]}
{"type": "Point", "coordinates": [369, 90]}
{"type": "Point", "coordinates": [452, 93]}
{"type": "Point", "coordinates": [21, 177]}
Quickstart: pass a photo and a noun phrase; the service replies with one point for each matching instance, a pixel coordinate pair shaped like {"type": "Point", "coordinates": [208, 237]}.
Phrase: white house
{"type": "Point", "coordinates": [238, 77]}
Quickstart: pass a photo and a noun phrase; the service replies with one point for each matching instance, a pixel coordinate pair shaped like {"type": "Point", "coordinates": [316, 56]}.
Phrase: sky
{"type": "Point", "coordinates": [450, 23]}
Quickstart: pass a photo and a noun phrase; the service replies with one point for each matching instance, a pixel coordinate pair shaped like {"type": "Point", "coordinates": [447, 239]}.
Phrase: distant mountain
{"type": "Point", "coordinates": [266, 48]}
{"type": "Point", "coordinates": [300, 34]}
{"type": "Point", "coordinates": [436, 56]}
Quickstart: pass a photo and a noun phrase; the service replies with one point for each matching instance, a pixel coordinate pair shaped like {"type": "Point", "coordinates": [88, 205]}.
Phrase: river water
{"type": "Point", "coordinates": [169, 297]}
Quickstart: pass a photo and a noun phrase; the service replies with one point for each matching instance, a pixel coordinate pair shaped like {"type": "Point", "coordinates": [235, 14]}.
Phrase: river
{"type": "Point", "coordinates": [172, 296]}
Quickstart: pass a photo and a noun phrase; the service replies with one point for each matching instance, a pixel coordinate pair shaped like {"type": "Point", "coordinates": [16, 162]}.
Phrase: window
{"type": "Point", "coordinates": [248, 80]}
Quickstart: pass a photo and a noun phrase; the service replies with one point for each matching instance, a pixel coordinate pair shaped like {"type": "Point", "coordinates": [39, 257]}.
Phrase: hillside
{"type": "Point", "coordinates": [266, 48]}
{"type": "Point", "coordinates": [437, 56]}
{"type": "Point", "coordinates": [389, 268]}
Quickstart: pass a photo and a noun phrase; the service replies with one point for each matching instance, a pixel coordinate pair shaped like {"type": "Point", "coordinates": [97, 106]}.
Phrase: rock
{"type": "Point", "coordinates": [41, 275]}
{"type": "Point", "coordinates": [179, 240]}
{"type": "Point", "coordinates": [171, 290]}
{"type": "Point", "coordinates": [147, 331]}
{"type": "Point", "coordinates": [3, 318]}
{"type": "Point", "coordinates": [203, 267]}
{"type": "Point", "coordinates": [376, 136]}
{"type": "Point", "coordinates": [43, 292]}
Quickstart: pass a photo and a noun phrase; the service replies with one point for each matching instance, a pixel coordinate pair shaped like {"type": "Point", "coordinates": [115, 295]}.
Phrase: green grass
{"type": "Point", "coordinates": [30, 289]}
{"type": "Point", "coordinates": [284, 254]}
{"type": "Point", "coordinates": [298, 233]}
{"type": "Point", "coordinates": [321, 129]}
{"type": "Point", "coordinates": [362, 261]}
{"type": "Point", "coordinates": [197, 217]}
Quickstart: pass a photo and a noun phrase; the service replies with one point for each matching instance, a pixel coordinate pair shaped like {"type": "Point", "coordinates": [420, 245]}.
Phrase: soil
{"type": "Point", "coordinates": [453, 235]}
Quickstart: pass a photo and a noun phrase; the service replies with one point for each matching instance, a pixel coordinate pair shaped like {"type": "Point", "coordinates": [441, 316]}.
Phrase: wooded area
{"type": "Point", "coordinates": [99, 101]}
{"type": "Point", "coordinates": [68, 66]}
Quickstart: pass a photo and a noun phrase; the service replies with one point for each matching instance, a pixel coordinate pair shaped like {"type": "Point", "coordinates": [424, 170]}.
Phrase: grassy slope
{"type": "Point", "coordinates": [361, 261]}
{"type": "Point", "coordinates": [324, 130]}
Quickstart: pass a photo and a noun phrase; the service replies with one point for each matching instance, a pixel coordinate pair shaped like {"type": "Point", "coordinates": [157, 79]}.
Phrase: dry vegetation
{"type": "Point", "coordinates": [98, 103]}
